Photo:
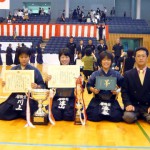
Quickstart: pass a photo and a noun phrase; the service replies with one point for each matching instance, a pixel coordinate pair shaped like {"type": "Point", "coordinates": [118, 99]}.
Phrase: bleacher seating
{"type": "Point", "coordinates": [35, 40]}
{"type": "Point", "coordinates": [35, 18]}
{"type": "Point", "coordinates": [71, 21]}
{"type": "Point", "coordinates": [118, 25]}
{"type": "Point", "coordinates": [1, 19]}
{"type": "Point", "coordinates": [56, 43]}
{"type": "Point", "coordinates": [127, 25]}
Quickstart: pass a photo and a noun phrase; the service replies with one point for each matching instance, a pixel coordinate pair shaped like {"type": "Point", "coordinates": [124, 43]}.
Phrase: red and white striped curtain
{"type": "Point", "coordinates": [48, 30]}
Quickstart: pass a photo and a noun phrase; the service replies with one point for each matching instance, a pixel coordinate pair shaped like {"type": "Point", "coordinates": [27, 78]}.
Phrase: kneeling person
{"type": "Point", "coordinates": [104, 105]}
{"type": "Point", "coordinates": [9, 109]}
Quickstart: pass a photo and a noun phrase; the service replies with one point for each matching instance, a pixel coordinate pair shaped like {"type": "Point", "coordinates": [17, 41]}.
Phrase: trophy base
{"type": "Point", "coordinates": [40, 120]}
{"type": "Point", "coordinates": [77, 120]}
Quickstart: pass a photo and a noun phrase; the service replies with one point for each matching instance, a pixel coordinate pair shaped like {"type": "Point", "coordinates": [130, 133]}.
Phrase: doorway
{"type": "Point", "coordinates": [131, 43]}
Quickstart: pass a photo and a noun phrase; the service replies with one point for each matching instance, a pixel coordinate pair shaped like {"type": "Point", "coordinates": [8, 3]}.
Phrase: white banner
{"type": "Point", "coordinates": [4, 4]}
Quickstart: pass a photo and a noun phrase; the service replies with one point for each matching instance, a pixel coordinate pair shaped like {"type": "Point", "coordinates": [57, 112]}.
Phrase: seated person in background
{"type": "Point", "coordinates": [136, 89]}
{"type": "Point", "coordinates": [11, 108]}
{"type": "Point", "coordinates": [26, 15]}
{"type": "Point", "coordinates": [88, 61]}
{"type": "Point", "coordinates": [63, 16]}
{"type": "Point", "coordinates": [10, 17]}
{"type": "Point", "coordinates": [81, 16]}
{"type": "Point", "coordinates": [74, 14]}
{"type": "Point", "coordinates": [104, 105]}
{"type": "Point", "coordinates": [88, 17]}
{"type": "Point", "coordinates": [127, 62]}
{"type": "Point", "coordinates": [64, 99]}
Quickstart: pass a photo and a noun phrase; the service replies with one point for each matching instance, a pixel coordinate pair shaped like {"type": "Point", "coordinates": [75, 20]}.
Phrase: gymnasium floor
{"type": "Point", "coordinates": [65, 135]}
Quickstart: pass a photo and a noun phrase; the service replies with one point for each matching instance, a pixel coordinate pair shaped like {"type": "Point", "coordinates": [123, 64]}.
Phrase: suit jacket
{"type": "Point", "coordinates": [101, 49]}
{"type": "Point", "coordinates": [81, 50]}
{"type": "Point", "coordinates": [133, 92]}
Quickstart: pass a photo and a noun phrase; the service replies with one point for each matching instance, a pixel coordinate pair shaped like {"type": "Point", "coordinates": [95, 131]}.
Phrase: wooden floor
{"type": "Point", "coordinates": [65, 135]}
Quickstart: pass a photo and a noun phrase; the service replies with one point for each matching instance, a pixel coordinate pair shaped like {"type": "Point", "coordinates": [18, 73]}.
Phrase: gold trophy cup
{"type": "Point", "coordinates": [40, 117]}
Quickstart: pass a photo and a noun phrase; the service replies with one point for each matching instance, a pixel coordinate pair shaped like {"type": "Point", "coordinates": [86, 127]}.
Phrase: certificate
{"type": "Point", "coordinates": [18, 81]}
{"type": "Point", "coordinates": [79, 62]}
{"type": "Point", "coordinates": [105, 83]}
{"type": "Point", "coordinates": [63, 76]}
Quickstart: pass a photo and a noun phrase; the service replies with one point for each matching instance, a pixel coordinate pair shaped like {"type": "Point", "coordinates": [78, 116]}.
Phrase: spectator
{"type": "Point", "coordinates": [63, 16]}
{"type": "Point", "coordinates": [72, 48]}
{"type": "Point", "coordinates": [124, 14]}
{"type": "Point", "coordinates": [9, 60]}
{"type": "Point", "coordinates": [16, 60]}
{"type": "Point", "coordinates": [117, 50]}
{"type": "Point", "coordinates": [102, 47]}
{"type": "Point", "coordinates": [100, 28]}
{"type": "Point", "coordinates": [88, 60]}
{"type": "Point", "coordinates": [9, 18]}
{"type": "Point", "coordinates": [74, 14]}
{"type": "Point", "coordinates": [91, 46]}
{"type": "Point", "coordinates": [127, 62]}
{"type": "Point", "coordinates": [81, 48]}
{"type": "Point", "coordinates": [39, 54]}
{"type": "Point", "coordinates": [39, 11]}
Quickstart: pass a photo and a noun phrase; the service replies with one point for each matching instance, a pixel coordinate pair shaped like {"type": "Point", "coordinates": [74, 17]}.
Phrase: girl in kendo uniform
{"type": "Point", "coordinates": [64, 98]}
{"type": "Point", "coordinates": [15, 105]}
{"type": "Point", "coordinates": [104, 105]}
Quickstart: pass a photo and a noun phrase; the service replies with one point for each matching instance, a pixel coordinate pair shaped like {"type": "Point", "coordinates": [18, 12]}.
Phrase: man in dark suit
{"type": "Point", "coordinates": [100, 28]}
{"type": "Point", "coordinates": [81, 48]}
{"type": "Point", "coordinates": [101, 47]}
{"type": "Point", "coordinates": [117, 50]}
{"type": "Point", "coordinates": [136, 89]}
{"type": "Point", "coordinates": [72, 48]}
{"type": "Point", "coordinates": [91, 46]}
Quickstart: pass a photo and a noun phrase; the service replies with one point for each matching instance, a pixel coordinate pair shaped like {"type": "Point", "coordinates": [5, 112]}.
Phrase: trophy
{"type": "Point", "coordinates": [80, 114]}
{"type": "Point", "coordinates": [39, 117]}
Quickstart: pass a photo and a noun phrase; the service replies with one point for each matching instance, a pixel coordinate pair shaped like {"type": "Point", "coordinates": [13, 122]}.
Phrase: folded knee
{"type": "Point", "coordinates": [129, 117]}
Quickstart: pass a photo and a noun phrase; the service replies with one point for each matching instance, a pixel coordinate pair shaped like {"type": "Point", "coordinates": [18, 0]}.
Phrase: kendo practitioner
{"type": "Point", "coordinates": [9, 60]}
{"type": "Point", "coordinates": [15, 105]}
{"type": "Point", "coordinates": [104, 105]}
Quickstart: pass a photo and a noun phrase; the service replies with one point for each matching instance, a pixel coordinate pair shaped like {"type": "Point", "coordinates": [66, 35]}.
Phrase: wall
{"type": "Point", "coordinates": [145, 39]}
{"type": "Point", "coordinates": [145, 9]}
{"type": "Point", "coordinates": [123, 5]}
